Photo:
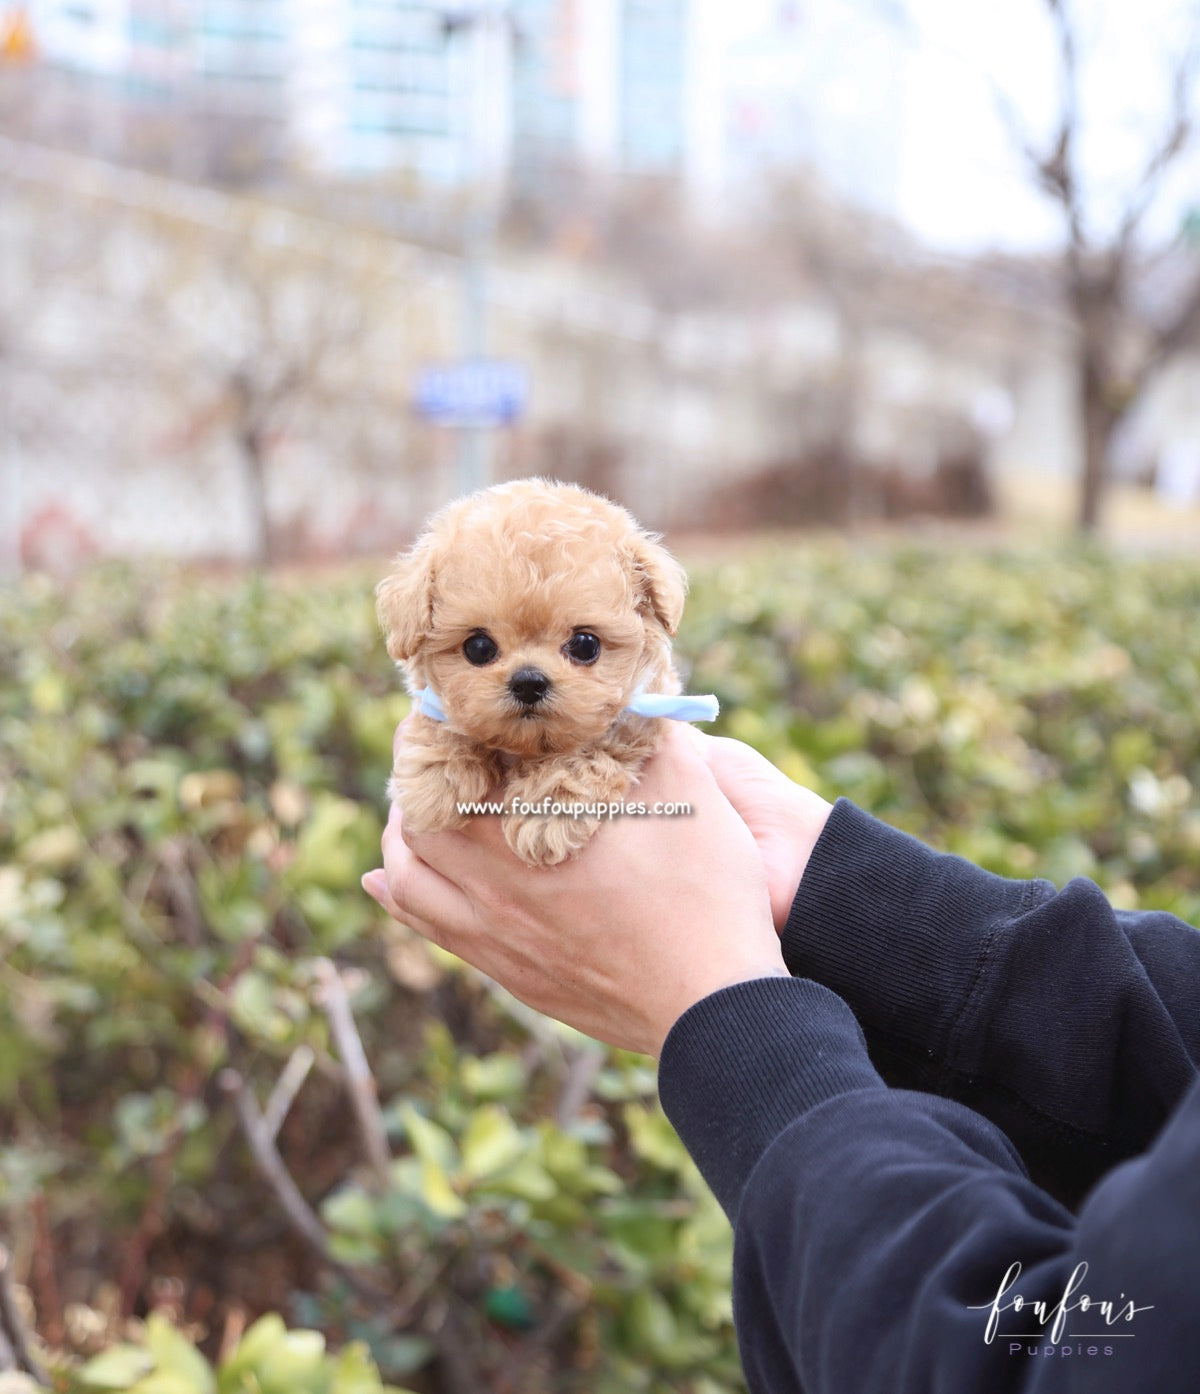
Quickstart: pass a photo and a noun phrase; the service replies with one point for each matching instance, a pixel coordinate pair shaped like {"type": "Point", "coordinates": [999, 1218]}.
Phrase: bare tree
{"type": "Point", "coordinates": [51, 374]}
{"type": "Point", "coordinates": [154, 318]}
{"type": "Point", "coordinates": [267, 328]}
{"type": "Point", "coordinates": [1122, 338]}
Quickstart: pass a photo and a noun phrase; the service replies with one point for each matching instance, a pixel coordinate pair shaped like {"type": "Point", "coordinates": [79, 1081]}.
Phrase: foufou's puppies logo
{"type": "Point", "coordinates": [1040, 1327]}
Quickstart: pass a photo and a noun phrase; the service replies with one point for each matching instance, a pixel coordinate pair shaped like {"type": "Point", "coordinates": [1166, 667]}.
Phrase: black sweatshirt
{"type": "Point", "coordinates": [991, 1073]}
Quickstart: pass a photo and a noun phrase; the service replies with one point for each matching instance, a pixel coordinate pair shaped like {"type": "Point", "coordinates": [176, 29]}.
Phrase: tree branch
{"type": "Point", "coordinates": [271, 1165]}
{"type": "Point", "coordinates": [287, 1086]}
{"type": "Point", "coordinates": [43, 1279]}
{"type": "Point", "coordinates": [1053, 169]}
{"type": "Point", "coordinates": [1058, 171]}
{"type": "Point", "coordinates": [1178, 135]}
{"type": "Point", "coordinates": [585, 1063]}
{"type": "Point", "coordinates": [363, 1093]}
{"type": "Point", "coordinates": [273, 1170]}
{"type": "Point", "coordinates": [1183, 329]}
{"type": "Point", "coordinates": [15, 1350]}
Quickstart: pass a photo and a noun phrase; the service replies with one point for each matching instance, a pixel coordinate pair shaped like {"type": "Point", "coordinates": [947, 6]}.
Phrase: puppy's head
{"type": "Point", "coordinates": [534, 610]}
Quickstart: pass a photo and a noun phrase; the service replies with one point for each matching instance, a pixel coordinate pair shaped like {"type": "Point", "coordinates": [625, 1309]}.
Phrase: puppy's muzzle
{"type": "Point", "coordinates": [529, 686]}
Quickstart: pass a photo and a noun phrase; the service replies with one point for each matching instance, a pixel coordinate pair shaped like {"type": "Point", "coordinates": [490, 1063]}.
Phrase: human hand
{"type": "Point", "coordinates": [785, 818]}
{"type": "Point", "coordinates": [652, 915]}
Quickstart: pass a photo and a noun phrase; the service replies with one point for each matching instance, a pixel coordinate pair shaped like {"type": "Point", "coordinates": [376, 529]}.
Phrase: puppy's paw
{"type": "Point", "coordinates": [547, 839]}
{"type": "Point", "coordinates": [573, 795]}
{"type": "Point", "coordinates": [433, 780]}
{"type": "Point", "coordinates": [429, 802]}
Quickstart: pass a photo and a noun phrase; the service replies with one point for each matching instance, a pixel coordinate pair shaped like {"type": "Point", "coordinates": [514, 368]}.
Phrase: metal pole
{"type": "Point", "coordinates": [489, 24]}
{"type": "Point", "coordinates": [474, 464]}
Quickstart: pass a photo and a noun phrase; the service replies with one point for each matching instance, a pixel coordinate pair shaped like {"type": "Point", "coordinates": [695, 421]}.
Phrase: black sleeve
{"type": "Point", "coordinates": [876, 1229]}
{"type": "Point", "coordinates": [1073, 1027]}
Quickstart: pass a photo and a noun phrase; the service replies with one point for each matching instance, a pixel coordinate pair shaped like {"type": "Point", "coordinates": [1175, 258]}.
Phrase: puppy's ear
{"type": "Point", "coordinates": [660, 581]}
{"type": "Point", "coordinates": [404, 600]}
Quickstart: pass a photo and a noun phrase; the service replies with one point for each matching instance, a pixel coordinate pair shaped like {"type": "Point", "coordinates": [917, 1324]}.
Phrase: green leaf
{"type": "Point", "coordinates": [526, 1179]}
{"type": "Point", "coordinates": [490, 1142]}
{"type": "Point", "coordinates": [265, 1334]}
{"type": "Point", "coordinates": [299, 1353]}
{"type": "Point", "coordinates": [119, 1367]}
{"type": "Point", "coordinates": [401, 1355]}
{"type": "Point", "coordinates": [651, 1322]}
{"type": "Point", "coordinates": [438, 1194]}
{"type": "Point", "coordinates": [430, 1141]}
{"type": "Point", "coordinates": [351, 1211]}
{"type": "Point", "coordinates": [168, 1382]}
{"type": "Point", "coordinates": [54, 849]}
{"type": "Point", "coordinates": [496, 1076]}
{"type": "Point", "coordinates": [645, 1240]}
{"type": "Point", "coordinates": [354, 1372]}
{"type": "Point", "coordinates": [565, 1156]}
{"type": "Point", "coordinates": [50, 694]}
{"type": "Point", "coordinates": [601, 1181]}
{"type": "Point", "coordinates": [175, 1354]}
{"type": "Point", "coordinates": [251, 1003]}
{"type": "Point", "coordinates": [653, 1138]}
{"type": "Point", "coordinates": [332, 845]}
{"type": "Point", "coordinates": [270, 1359]}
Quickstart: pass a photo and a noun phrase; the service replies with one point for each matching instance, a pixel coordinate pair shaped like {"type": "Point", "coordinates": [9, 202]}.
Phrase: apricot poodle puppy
{"type": "Point", "coordinates": [529, 618]}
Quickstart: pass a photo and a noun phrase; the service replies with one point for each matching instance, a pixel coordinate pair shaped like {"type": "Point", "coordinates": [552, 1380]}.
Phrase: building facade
{"type": "Point", "coordinates": [460, 93]}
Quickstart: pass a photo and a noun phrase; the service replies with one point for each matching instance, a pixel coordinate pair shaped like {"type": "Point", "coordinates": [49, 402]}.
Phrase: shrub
{"type": "Point", "coordinates": [191, 784]}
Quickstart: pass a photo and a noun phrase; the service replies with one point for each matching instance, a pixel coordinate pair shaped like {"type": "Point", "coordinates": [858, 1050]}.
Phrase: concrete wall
{"type": "Point", "coordinates": [119, 338]}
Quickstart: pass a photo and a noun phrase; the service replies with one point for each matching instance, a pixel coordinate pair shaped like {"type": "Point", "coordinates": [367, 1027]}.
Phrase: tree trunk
{"type": "Point", "coordinates": [841, 484]}
{"type": "Point", "coordinates": [256, 487]}
{"type": "Point", "coordinates": [1099, 419]}
{"type": "Point", "coordinates": [1097, 435]}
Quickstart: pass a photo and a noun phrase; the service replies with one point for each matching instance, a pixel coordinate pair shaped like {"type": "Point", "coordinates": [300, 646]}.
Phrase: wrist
{"type": "Point", "coordinates": [712, 976]}
{"type": "Point", "coordinates": [805, 816]}
{"type": "Point", "coordinates": [810, 814]}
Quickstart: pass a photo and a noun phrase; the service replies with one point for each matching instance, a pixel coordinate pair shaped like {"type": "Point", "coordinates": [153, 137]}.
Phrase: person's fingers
{"type": "Point", "coordinates": [416, 893]}
{"type": "Point", "coordinates": [740, 772]}
{"type": "Point", "coordinates": [723, 755]}
{"type": "Point", "coordinates": [376, 886]}
{"type": "Point", "coordinates": [457, 849]}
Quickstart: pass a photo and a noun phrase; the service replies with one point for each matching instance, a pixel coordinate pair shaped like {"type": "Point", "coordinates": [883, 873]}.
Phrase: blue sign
{"type": "Point", "coordinates": [475, 392]}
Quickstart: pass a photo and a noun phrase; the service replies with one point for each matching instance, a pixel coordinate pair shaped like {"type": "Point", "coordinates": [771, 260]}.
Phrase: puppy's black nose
{"type": "Point", "coordinates": [529, 686]}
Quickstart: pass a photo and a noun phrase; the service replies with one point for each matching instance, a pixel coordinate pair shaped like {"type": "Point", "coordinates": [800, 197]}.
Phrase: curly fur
{"type": "Point", "coordinates": [530, 563]}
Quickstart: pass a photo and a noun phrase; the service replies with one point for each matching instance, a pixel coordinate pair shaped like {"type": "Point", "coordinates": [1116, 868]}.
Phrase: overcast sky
{"type": "Point", "coordinates": [960, 186]}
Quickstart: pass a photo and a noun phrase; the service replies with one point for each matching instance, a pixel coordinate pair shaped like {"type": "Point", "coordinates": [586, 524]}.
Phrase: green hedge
{"type": "Point", "coordinates": [191, 778]}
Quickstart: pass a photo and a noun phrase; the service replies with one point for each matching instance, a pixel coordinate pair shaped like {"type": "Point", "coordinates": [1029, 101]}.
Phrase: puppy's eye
{"type": "Point", "coordinates": [479, 649]}
{"type": "Point", "coordinates": [582, 647]}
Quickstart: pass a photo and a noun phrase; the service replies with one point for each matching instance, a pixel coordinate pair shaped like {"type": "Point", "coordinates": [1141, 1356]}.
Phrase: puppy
{"type": "Point", "coordinates": [529, 618]}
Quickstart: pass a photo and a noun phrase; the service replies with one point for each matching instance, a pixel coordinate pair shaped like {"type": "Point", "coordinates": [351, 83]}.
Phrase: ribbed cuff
{"type": "Point", "coordinates": [900, 931]}
{"type": "Point", "coordinates": [744, 1063]}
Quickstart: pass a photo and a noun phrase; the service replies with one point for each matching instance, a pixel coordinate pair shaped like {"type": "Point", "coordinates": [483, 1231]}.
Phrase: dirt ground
{"type": "Point", "coordinates": [1134, 518]}
{"type": "Point", "coordinates": [1031, 510]}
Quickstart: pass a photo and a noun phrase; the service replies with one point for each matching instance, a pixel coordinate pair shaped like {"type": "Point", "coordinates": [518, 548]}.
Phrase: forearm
{"type": "Point", "coordinates": [876, 1236]}
{"type": "Point", "coordinates": [1038, 1008]}
{"type": "Point", "coordinates": [874, 1227]}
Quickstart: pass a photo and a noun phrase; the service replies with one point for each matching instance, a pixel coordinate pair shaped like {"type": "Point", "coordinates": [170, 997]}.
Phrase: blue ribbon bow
{"type": "Point", "coordinates": [673, 708]}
